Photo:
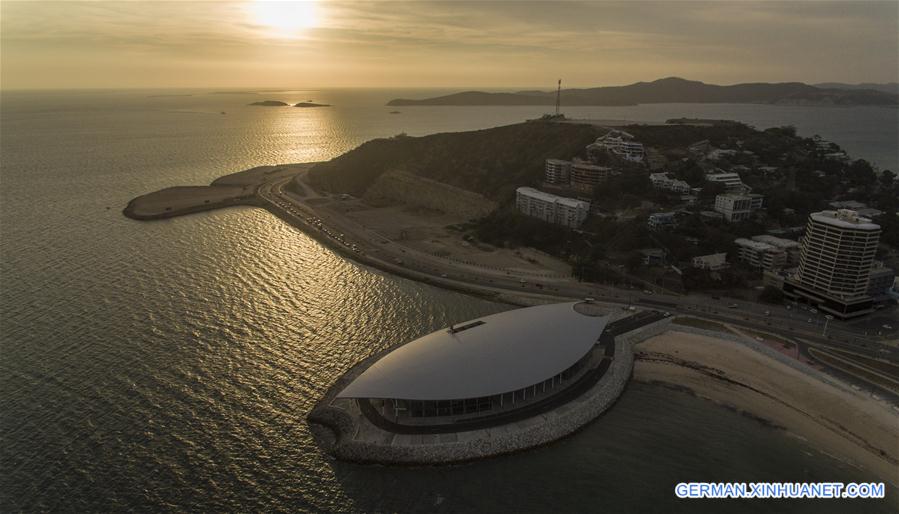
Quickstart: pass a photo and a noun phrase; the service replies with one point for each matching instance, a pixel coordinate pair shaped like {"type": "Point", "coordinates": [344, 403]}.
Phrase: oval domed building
{"type": "Point", "coordinates": [491, 385]}
{"type": "Point", "coordinates": [490, 365]}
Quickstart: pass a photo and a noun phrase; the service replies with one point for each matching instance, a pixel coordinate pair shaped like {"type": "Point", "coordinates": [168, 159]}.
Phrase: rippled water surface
{"type": "Point", "coordinates": [170, 365]}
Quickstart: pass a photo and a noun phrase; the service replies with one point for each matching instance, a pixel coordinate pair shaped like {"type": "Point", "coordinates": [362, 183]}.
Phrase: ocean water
{"type": "Point", "coordinates": [169, 365]}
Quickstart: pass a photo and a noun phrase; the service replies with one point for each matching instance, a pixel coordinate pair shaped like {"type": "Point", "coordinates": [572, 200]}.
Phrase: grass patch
{"type": "Point", "coordinates": [701, 323]}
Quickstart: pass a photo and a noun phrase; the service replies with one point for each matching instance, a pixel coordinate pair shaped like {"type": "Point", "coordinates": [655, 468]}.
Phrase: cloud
{"type": "Point", "coordinates": [587, 42]}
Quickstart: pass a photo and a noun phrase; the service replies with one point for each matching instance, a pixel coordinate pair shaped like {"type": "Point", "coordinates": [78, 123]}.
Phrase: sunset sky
{"type": "Point", "coordinates": [450, 44]}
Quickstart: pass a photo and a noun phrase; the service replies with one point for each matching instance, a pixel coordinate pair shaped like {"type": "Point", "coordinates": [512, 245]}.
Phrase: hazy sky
{"type": "Point", "coordinates": [458, 44]}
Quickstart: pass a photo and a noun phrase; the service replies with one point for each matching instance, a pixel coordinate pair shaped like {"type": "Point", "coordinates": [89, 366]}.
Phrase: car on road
{"type": "Point", "coordinates": [888, 327]}
{"type": "Point", "coordinates": [732, 306]}
{"type": "Point", "coordinates": [647, 291]}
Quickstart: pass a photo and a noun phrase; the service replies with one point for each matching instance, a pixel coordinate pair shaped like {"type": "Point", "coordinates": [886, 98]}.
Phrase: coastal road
{"type": "Point", "coordinates": [372, 248]}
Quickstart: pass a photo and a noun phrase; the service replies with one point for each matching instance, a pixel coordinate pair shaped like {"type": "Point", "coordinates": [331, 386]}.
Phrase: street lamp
{"type": "Point", "coordinates": [827, 319]}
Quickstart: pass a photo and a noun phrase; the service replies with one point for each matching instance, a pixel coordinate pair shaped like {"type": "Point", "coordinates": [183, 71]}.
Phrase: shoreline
{"type": "Point", "coordinates": [821, 410]}
{"type": "Point", "coordinates": [829, 435]}
{"type": "Point", "coordinates": [234, 189]}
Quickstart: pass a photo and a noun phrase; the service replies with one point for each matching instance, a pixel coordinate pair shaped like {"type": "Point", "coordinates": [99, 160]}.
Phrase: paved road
{"type": "Point", "coordinates": [373, 248]}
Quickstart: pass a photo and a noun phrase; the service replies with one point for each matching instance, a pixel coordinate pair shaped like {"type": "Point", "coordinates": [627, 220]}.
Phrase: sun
{"type": "Point", "coordinates": [284, 18]}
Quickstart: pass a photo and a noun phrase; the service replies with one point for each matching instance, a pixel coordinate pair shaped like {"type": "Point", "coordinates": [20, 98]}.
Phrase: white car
{"type": "Point", "coordinates": [888, 327]}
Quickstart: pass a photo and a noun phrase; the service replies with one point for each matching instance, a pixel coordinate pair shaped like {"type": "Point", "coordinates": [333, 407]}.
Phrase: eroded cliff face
{"type": "Point", "coordinates": [396, 187]}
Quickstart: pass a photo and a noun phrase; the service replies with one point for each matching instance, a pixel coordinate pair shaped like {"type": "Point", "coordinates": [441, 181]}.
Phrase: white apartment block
{"type": "Point", "coordinates": [711, 262]}
{"type": "Point", "coordinates": [761, 255]}
{"type": "Point", "coordinates": [790, 248]}
{"type": "Point", "coordinates": [732, 182]}
{"type": "Point", "coordinates": [621, 144]}
{"type": "Point", "coordinates": [736, 207]}
{"type": "Point", "coordinates": [663, 181]}
{"type": "Point", "coordinates": [838, 252]}
{"type": "Point", "coordinates": [551, 208]}
{"type": "Point", "coordinates": [835, 263]}
{"type": "Point", "coordinates": [556, 171]}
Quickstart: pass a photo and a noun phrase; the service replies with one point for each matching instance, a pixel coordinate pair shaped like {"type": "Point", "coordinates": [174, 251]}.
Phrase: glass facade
{"type": "Point", "coordinates": [411, 410]}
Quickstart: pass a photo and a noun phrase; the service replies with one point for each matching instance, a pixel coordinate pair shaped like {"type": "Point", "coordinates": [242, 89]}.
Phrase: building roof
{"type": "Point", "coordinates": [758, 246]}
{"type": "Point", "coordinates": [776, 241]}
{"type": "Point", "coordinates": [504, 352]}
{"type": "Point", "coordinates": [844, 218]}
{"type": "Point", "coordinates": [546, 197]}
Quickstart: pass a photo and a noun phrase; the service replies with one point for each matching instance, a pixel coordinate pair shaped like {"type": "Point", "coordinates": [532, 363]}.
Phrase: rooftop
{"type": "Point", "coordinates": [844, 218]}
{"type": "Point", "coordinates": [504, 352]}
{"type": "Point", "coordinates": [755, 245]}
{"type": "Point", "coordinates": [776, 241]}
{"type": "Point", "coordinates": [547, 197]}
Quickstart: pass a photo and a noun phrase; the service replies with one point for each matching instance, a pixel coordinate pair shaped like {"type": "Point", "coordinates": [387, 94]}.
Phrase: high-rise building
{"type": "Point", "coordinates": [556, 171]}
{"type": "Point", "coordinates": [835, 263]}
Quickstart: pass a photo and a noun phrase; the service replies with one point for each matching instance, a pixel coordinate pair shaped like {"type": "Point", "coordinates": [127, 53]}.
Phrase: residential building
{"type": "Point", "coordinates": [731, 181]}
{"type": "Point", "coordinates": [760, 255]}
{"type": "Point", "coordinates": [621, 144]}
{"type": "Point", "coordinates": [556, 171]}
{"type": "Point", "coordinates": [585, 176]}
{"type": "Point", "coordinates": [736, 207]}
{"type": "Point", "coordinates": [835, 263]}
{"type": "Point", "coordinates": [551, 208]}
{"type": "Point", "coordinates": [711, 262]}
{"type": "Point", "coordinates": [653, 256]}
{"type": "Point", "coordinates": [718, 153]}
{"type": "Point", "coordinates": [790, 248]}
{"type": "Point", "coordinates": [663, 181]}
{"type": "Point", "coordinates": [661, 220]}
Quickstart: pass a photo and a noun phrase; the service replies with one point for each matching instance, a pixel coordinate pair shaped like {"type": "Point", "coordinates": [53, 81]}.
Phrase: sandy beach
{"type": "Point", "coordinates": [848, 424]}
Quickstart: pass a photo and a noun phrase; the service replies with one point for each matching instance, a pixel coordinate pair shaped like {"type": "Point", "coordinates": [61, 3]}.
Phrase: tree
{"type": "Point", "coordinates": [771, 295]}
{"type": "Point", "coordinates": [634, 260]}
{"type": "Point", "coordinates": [886, 179]}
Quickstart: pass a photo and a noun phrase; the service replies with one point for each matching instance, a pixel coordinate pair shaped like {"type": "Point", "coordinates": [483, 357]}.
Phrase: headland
{"type": "Point", "coordinates": [414, 238]}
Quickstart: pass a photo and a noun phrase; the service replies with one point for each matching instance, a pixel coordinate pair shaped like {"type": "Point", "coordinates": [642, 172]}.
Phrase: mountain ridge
{"type": "Point", "coordinates": [670, 90]}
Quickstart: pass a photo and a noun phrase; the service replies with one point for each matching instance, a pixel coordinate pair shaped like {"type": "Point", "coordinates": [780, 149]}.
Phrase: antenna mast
{"type": "Point", "coordinates": [558, 96]}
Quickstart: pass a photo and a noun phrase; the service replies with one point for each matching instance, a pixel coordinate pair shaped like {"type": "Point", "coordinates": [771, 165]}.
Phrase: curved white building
{"type": "Point", "coordinates": [489, 365]}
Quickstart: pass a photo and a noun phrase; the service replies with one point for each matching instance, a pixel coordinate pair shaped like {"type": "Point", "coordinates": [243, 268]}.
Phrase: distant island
{"type": "Point", "coordinates": [310, 104]}
{"type": "Point", "coordinates": [886, 87]}
{"type": "Point", "coordinates": [270, 103]}
{"type": "Point", "coordinates": [672, 90]}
